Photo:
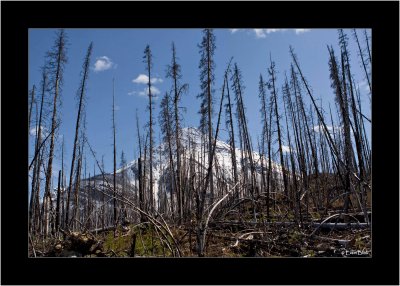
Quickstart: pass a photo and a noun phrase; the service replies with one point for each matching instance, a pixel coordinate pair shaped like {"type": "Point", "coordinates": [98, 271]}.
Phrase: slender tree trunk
{"type": "Point", "coordinates": [115, 163]}
{"type": "Point", "coordinates": [62, 217]}
{"type": "Point", "coordinates": [36, 171]}
{"type": "Point", "coordinates": [57, 79]}
{"type": "Point", "coordinates": [177, 90]}
{"type": "Point", "coordinates": [103, 213]}
{"type": "Point", "coordinates": [58, 201]}
{"type": "Point", "coordinates": [141, 197]}
{"type": "Point", "coordinates": [367, 43]}
{"type": "Point", "coordinates": [361, 54]}
{"type": "Point", "coordinates": [30, 108]}
{"type": "Point", "coordinates": [275, 102]}
{"type": "Point", "coordinates": [77, 125]}
{"type": "Point", "coordinates": [209, 114]}
{"type": "Point", "coordinates": [76, 215]}
{"type": "Point", "coordinates": [148, 59]}
{"type": "Point", "coordinates": [231, 132]}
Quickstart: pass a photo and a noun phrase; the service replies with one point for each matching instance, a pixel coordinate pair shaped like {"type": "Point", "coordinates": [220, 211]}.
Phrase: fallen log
{"type": "Point", "coordinates": [100, 230]}
{"type": "Point", "coordinates": [338, 226]}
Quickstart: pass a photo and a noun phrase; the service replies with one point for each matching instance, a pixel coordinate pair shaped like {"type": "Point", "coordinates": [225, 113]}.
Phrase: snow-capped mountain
{"type": "Point", "coordinates": [191, 145]}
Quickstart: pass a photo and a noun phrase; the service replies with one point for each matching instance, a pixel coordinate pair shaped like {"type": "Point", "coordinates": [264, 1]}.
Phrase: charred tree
{"type": "Point", "coordinates": [32, 101]}
{"type": "Point", "coordinates": [341, 97]}
{"type": "Point", "coordinates": [175, 73]}
{"type": "Point", "coordinates": [56, 62]}
{"type": "Point", "coordinates": [115, 217]}
{"type": "Point", "coordinates": [265, 136]}
{"type": "Point", "coordinates": [148, 61]}
{"type": "Point", "coordinates": [140, 173]}
{"type": "Point", "coordinates": [165, 125]}
{"type": "Point", "coordinates": [81, 94]}
{"type": "Point", "coordinates": [33, 205]}
{"type": "Point", "coordinates": [230, 128]}
{"type": "Point", "coordinates": [207, 66]}
{"type": "Point", "coordinates": [274, 99]}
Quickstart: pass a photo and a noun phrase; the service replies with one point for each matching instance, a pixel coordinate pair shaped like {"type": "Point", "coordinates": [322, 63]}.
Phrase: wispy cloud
{"type": "Point", "coordinates": [320, 128]}
{"type": "Point", "coordinates": [144, 79]}
{"type": "Point", "coordinates": [286, 149]}
{"type": "Point", "coordinates": [145, 92]}
{"type": "Point", "coordinates": [103, 63]}
{"type": "Point", "coordinates": [33, 131]}
{"type": "Point", "coordinates": [301, 31]}
{"type": "Point", "coordinates": [262, 33]}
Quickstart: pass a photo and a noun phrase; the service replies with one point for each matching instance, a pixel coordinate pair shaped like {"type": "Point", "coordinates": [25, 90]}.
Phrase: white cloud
{"type": "Point", "coordinates": [262, 33]}
{"type": "Point", "coordinates": [234, 30]}
{"type": "Point", "coordinates": [320, 128]}
{"type": "Point", "coordinates": [268, 31]}
{"type": "Point", "coordinates": [103, 63]}
{"type": "Point", "coordinates": [144, 79]}
{"type": "Point", "coordinates": [301, 31]}
{"type": "Point", "coordinates": [285, 149]}
{"type": "Point", "coordinates": [44, 130]}
{"type": "Point", "coordinates": [145, 92]}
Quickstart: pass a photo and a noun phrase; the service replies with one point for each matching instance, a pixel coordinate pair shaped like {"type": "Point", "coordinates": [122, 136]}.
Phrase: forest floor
{"type": "Point", "coordinates": [223, 240]}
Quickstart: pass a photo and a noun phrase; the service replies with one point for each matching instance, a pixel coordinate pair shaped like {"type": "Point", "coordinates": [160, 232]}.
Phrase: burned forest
{"type": "Point", "coordinates": [203, 183]}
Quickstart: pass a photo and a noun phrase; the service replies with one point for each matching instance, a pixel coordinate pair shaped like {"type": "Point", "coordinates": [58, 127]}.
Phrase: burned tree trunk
{"type": "Point", "coordinates": [81, 92]}
{"type": "Point", "coordinates": [115, 163]}
{"type": "Point", "coordinates": [148, 61]}
{"type": "Point", "coordinates": [57, 60]}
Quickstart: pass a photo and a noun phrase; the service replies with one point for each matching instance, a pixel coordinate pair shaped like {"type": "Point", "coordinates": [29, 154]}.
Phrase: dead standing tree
{"type": "Point", "coordinates": [341, 97]}
{"type": "Point", "coordinates": [231, 131]}
{"type": "Point", "coordinates": [34, 203]}
{"type": "Point", "coordinates": [248, 161]}
{"type": "Point", "coordinates": [265, 138]}
{"type": "Point", "coordinates": [202, 220]}
{"type": "Point", "coordinates": [56, 61]}
{"type": "Point", "coordinates": [207, 66]}
{"type": "Point", "coordinates": [32, 101]}
{"type": "Point", "coordinates": [81, 94]}
{"type": "Point", "coordinates": [142, 202]}
{"type": "Point", "coordinates": [148, 61]}
{"type": "Point", "coordinates": [274, 100]}
{"type": "Point", "coordinates": [165, 119]}
{"type": "Point", "coordinates": [115, 163]}
{"type": "Point", "coordinates": [174, 72]}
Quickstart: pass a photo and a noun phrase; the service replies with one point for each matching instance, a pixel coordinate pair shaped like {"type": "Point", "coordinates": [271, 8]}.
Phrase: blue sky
{"type": "Point", "coordinates": [118, 53]}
